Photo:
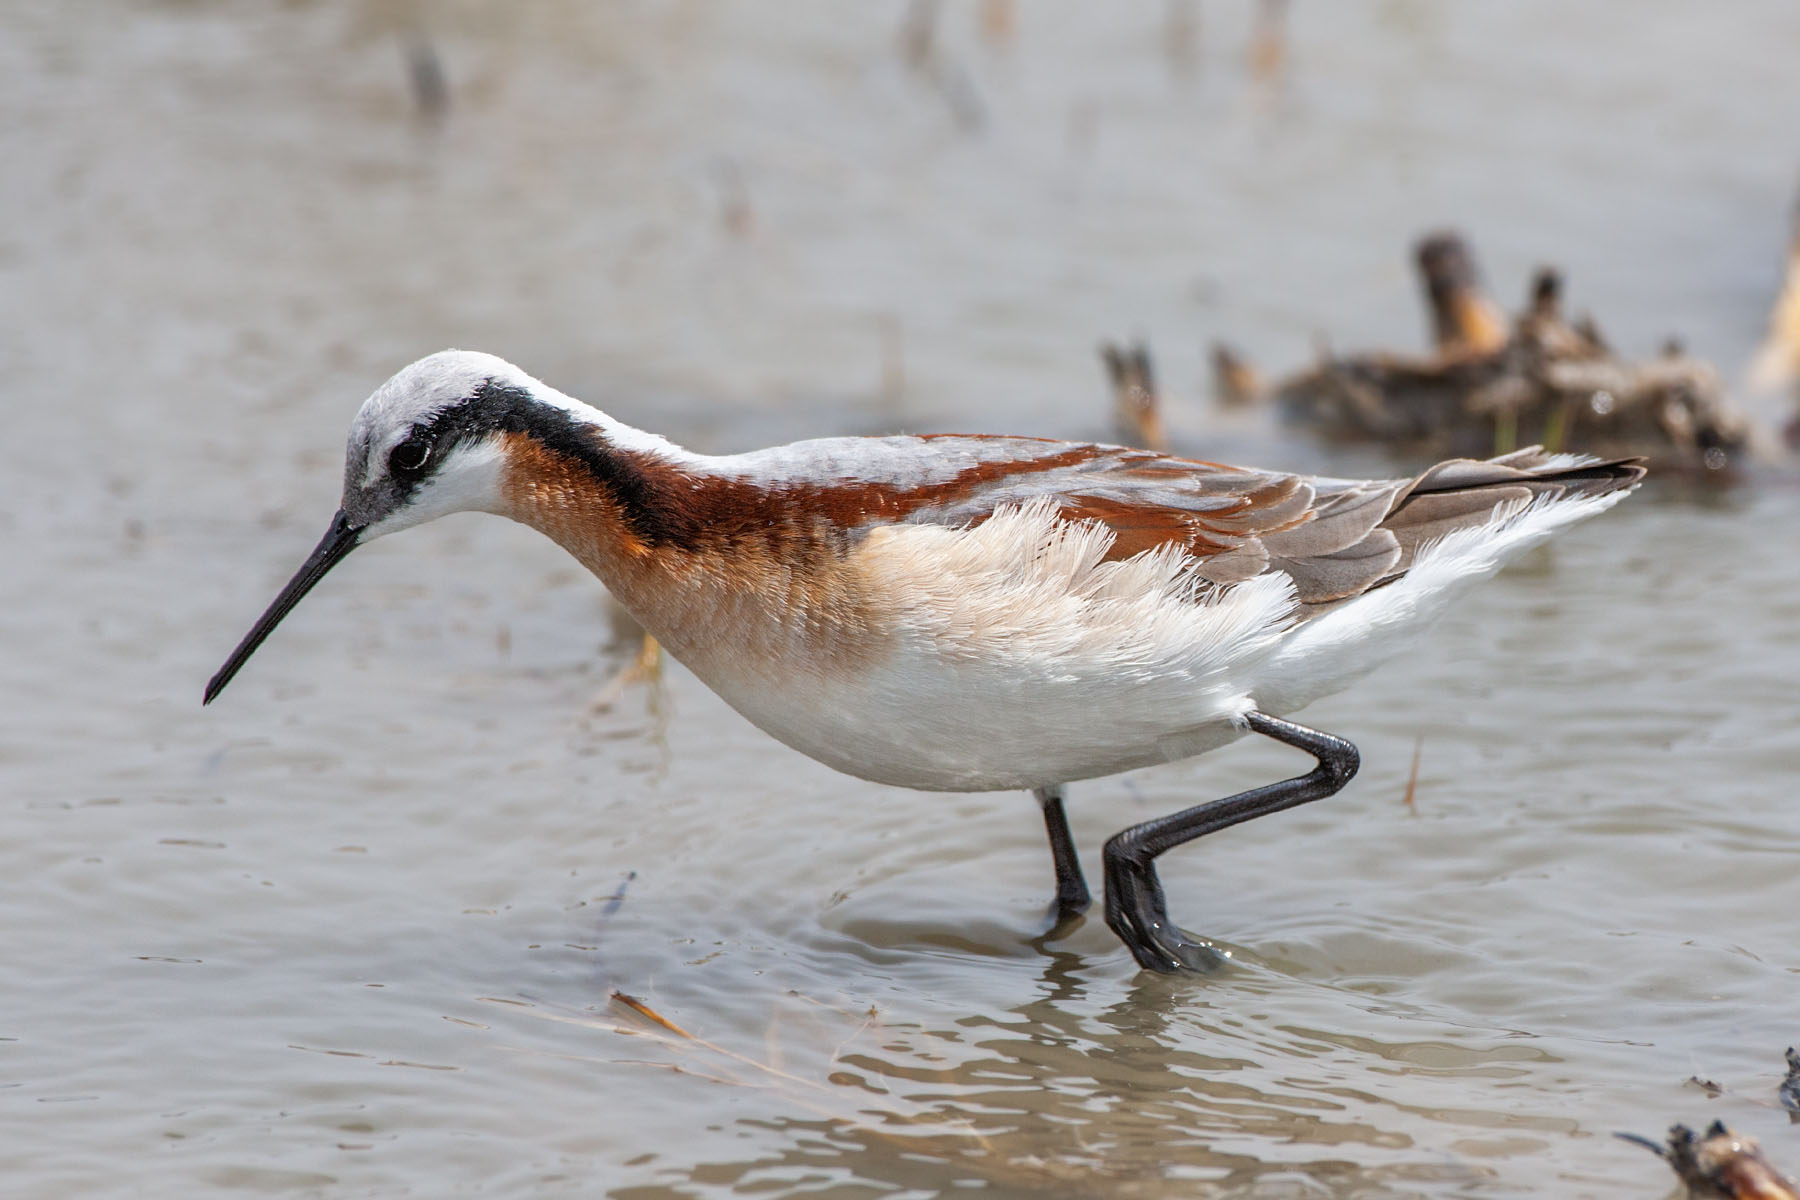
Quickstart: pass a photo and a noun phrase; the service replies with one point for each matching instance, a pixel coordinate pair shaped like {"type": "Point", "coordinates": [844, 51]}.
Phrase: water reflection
{"type": "Point", "coordinates": [1088, 1089]}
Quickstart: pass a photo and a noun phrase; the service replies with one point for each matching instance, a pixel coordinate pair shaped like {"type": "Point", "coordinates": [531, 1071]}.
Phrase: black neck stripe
{"type": "Point", "coordinates": [500, 408]}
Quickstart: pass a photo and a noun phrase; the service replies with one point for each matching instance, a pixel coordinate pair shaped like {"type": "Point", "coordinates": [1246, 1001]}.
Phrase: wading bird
{"type": "Point", "coordinates": [966, 614]}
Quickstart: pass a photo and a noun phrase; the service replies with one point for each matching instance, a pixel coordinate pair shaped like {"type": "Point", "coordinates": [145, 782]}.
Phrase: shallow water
{"type": "Point", "coordinates": [354, 929]}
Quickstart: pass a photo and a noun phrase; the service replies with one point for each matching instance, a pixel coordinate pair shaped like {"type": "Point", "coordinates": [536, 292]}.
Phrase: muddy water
{"type": "Point", "coordinates": [354, 930]}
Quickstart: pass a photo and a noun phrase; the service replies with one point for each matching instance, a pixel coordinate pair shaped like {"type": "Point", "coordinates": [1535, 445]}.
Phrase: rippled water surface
{"type": "Point", "coordinates": [357, 928]}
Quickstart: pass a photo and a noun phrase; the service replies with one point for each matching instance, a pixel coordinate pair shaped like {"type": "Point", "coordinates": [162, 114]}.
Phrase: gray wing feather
{"type": "Point", "coordinates": [1335, 538]}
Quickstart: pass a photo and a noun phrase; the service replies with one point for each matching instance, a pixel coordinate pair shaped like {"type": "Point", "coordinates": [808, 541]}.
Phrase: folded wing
{"type": "Point", "coordinates": [1335, 539]}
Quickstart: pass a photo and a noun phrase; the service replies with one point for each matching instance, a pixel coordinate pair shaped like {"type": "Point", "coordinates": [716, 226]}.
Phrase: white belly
{"type": "Point", "coordinates": [1012, 657]}
{"type": "Point", "coordinates": [965, 733]}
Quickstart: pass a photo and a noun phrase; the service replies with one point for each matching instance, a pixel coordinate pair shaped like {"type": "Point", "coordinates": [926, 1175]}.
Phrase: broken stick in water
{"type": "Point", "coordinates": [1720, 1165]}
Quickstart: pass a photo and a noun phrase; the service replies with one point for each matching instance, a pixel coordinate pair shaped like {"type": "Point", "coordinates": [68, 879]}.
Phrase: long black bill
{"type": "Point", "coordinates": [338, 541]}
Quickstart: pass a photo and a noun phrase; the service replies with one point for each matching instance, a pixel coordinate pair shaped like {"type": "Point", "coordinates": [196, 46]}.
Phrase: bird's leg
{"type": "Point", "coordinates": [1134, 896]}
{"type": "Point", "coordinates": [1071, 889]}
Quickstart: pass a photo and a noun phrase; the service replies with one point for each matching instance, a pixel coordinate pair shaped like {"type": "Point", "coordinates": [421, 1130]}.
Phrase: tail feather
{"type": "Point", "coordinates": [1457, 523]}
{"type": "Point", "coordinates": [1464, 493]}
{"type": "Point", "coordinates": [1531, 467]}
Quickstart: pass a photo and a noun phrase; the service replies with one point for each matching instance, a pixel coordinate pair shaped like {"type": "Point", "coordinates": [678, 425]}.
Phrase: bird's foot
{"type": "Point", "coordinates": [1136, 913]}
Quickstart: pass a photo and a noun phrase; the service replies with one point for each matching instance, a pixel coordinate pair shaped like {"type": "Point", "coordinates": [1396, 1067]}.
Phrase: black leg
{"type": "Point", "coordinates": [1134, 896]}
{"type": "Point", "coordinates": [1071, 889]}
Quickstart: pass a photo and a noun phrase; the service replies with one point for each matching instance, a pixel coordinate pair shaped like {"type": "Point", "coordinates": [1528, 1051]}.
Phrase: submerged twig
{"type": "Point", "coordinates": [1236, 383]}
{"type": "Point", "coordinates": [1412, 777]}
{"type": "Point", "coordinates": [650, 1014]}
{"type": "Point", "coordinates": [1137, 406]}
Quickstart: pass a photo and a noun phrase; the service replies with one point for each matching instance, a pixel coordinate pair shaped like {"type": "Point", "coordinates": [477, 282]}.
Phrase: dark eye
{"type": "Point", "coordinates": [409, 455]}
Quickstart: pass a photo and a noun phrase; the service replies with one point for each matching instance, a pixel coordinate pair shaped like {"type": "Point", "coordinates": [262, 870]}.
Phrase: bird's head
{"type": "Point", "coordinates": [428, 442]}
